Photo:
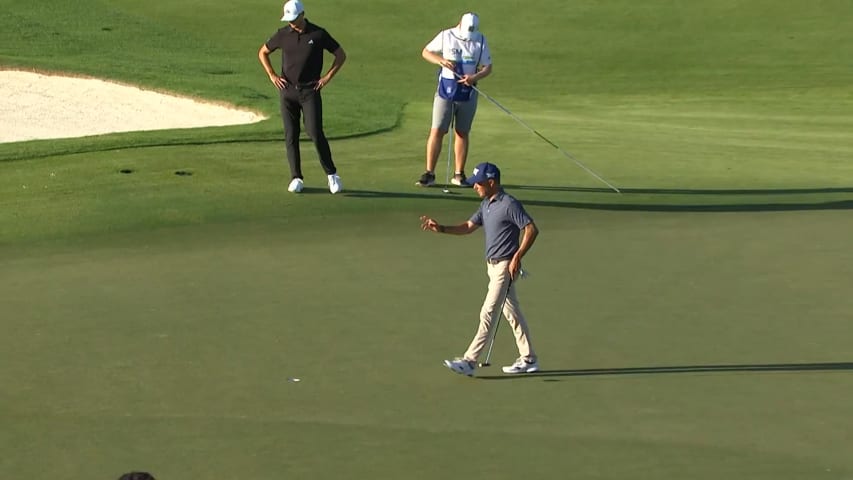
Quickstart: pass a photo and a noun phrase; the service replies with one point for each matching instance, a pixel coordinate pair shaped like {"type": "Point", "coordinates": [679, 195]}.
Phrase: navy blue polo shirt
{"type": "Point", "coordinates": [502, 218]}
{"type": "Point", "coordinates": [302, 53]}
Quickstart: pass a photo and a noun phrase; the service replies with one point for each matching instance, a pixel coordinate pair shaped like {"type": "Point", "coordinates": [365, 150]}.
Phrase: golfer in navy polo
{"type": "Point", "coordinates": [504, 219]}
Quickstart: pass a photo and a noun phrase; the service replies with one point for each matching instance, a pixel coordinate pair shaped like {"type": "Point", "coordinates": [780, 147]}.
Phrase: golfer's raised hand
{"type": "Point", "coordinates": [277, 81]}
{"type": "Point", "coordinates": [428, 223]}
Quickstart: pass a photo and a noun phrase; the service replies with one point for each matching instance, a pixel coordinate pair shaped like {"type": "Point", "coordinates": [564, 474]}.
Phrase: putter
{"type": "Point", "coordinates": [449, 152]}
{"type": "Point", "coordinates": [495, 327]}
{"type": "Point", "coordinates": [549, 142]}
{"type": "Point", "coordinates": [522, 274]}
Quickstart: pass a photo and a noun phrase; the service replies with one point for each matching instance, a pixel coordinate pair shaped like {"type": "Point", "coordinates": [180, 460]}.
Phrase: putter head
{"type": "Point", "coordinates": [485, 364]}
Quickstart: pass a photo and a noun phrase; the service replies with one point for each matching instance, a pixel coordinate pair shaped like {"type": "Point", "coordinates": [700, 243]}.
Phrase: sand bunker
{"type": "Point", "coordinates": [37, 106]}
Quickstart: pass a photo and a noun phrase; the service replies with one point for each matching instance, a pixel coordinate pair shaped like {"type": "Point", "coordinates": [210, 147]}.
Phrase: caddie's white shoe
{"type": "Point", "coordinates": [295, 185]}
{"type": "Point", "coordinates": [335, 184]}
{"type": "Point", "coordinates": [461, 366]}
{"type": "Point", "coordinates": [522, 366]}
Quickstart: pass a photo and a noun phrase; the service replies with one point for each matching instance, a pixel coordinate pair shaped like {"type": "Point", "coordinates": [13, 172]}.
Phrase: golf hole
{"type": "Point", "coordinates": [183, 173]}
{"type": "Point", "coordinates": [126, 170]}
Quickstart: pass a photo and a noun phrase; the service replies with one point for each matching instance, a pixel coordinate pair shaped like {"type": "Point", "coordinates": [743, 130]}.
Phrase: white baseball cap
{"type": "Point", "coordinates": [469, 25]}
{"type": "Point", "coordinates": [292, 9]}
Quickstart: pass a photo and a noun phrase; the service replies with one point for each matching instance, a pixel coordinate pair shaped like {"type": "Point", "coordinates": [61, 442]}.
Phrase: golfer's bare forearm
{"type": "Point", "coordinates": [432, 57]}
{"type": "Point", "coordinates": [483, 73]}
{"type": "Point", "coordinates": [340, 58]}
{"type": "Point", "coordinates": [264, 57]}
{"type": "Point", "coordinates": [531, 231]}
{"type": "Point", "coordinates": [461, 229]}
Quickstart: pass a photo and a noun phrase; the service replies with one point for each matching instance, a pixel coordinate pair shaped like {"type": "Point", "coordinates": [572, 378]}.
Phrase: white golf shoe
{"type": "Point", "coordinates": [295, 185]}
{"type": "Point", "coordinates": [522, 366]}
{"type": "Point", "coordinates": [461, 366]}
{"type": "Point", "coordinates": [335, 184]}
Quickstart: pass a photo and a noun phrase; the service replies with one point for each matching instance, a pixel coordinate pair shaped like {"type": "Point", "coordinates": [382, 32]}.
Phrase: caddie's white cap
{"type": "Point", "coordinates": [469, 25]}
{"type": "Point", "coordinates": [292, 9]}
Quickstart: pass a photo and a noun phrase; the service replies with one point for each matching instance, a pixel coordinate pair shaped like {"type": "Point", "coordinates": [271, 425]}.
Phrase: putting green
{"type": "Point", "coordinates": [188, 336]}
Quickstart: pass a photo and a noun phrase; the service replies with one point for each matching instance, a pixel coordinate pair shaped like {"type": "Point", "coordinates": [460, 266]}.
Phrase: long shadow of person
{"type": "Point", "coordinates": [771, 367]}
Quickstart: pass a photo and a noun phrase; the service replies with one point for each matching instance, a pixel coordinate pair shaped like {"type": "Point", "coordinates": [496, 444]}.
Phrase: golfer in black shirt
{"type": "Point", "coordinates": [302, 44]}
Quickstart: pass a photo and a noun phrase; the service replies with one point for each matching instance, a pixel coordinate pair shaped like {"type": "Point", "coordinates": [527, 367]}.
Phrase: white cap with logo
{"type": "Point", "coordinates": [292, 9]}
{"type": "Point", "coordinates": [469, 25]}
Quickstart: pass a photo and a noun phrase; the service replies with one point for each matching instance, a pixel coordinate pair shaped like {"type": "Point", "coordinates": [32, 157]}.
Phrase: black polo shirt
{"type": "Point", "coordinates": [302, 53]}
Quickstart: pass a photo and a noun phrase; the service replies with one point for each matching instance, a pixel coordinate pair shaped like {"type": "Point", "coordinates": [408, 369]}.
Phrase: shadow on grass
{"type": "Point", "coordinates": [684, 191]}
{"type": "Point", "coordinates": [465, 195]}
{"type": "Point", "coordinates": [771, 367]}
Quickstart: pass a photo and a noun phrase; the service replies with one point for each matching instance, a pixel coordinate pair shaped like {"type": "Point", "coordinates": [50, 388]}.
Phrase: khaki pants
{"type": "Point", "coordinates": [499, 280]}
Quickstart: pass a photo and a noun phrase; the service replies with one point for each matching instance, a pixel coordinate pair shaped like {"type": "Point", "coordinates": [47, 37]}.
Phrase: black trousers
{"type": "Point", "coordinates": [306, 102]}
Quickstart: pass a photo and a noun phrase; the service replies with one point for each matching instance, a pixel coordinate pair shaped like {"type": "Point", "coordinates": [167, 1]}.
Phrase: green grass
{"type": "Point", "coordinates": [695, 326]}
{"type": "Point", "coordinates": [171, 350]}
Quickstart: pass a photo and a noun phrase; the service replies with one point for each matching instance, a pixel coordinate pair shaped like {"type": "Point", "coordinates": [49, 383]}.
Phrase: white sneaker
{"type": "Point", "coordinates": [295, 185]}
{"type": "Point", "coordinates": [335, 184]}
{"type": "Point", "coordinates": [522, 366]}
{"type": "Point", "coordinates": [461, 366]}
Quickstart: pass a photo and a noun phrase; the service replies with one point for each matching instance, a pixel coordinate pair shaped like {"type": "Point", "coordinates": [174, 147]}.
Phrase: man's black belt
{"type": "Point", "coordinates": [304, 86]}
{"type": "Point", "coordinates": [495, 261]}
